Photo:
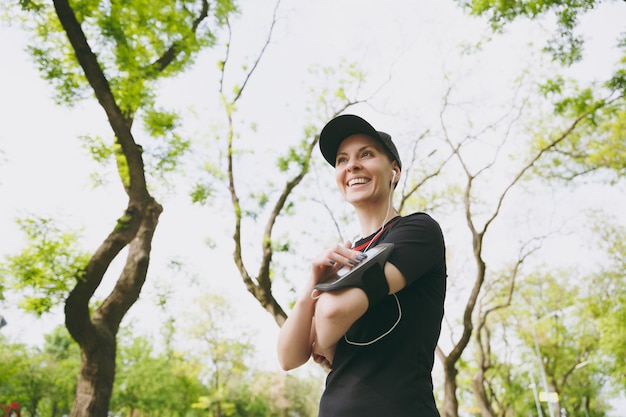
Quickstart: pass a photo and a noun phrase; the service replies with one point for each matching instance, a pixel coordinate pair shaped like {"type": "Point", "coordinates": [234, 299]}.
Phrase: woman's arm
{"type": "Point", "coordinates": [336, 311]}
{"type": "Point", "coordinates": [297, 335]}
{"type": "Point", "coordinates": [295, 338]}
{"type": "Point", "coordinates": [314, 326]}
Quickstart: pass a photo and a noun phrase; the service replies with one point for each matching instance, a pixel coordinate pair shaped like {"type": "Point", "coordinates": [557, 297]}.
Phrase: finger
{"type": "Point", "coordinates": [338, 256]}
{"type": "Point", "coordinates": [348, 255]}
{"type": "Point", "coordinates": [326, 260]}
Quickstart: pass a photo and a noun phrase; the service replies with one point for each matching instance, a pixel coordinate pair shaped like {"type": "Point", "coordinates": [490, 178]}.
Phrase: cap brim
{"type": "Point", "coordinates": [340, 128]}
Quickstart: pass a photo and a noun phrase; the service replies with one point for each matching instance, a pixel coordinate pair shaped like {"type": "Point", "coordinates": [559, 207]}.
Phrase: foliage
{"type": "Point", "coordinates": [164, 124]}
{"type": "Point", "coordinates": [597, 140]}
{"type": "Point", "coordinates": [556, 329]}
{"type": "Point", "coordinates": [154, 383]}
{"type": "Point", "coordinates": [132, 41]}
{"type": "Point", "coordinates": [565, 46]}
{"type": "Point", "coordinates": [606, 299]}
{"type": "Point", "coordinates": [224, 350]}
{"type": "Point", "coordinates": [13, 361]}
{"type": "Point", "coordinates": [288, 395]}
{"type": "Point", "coordinates": [137, 44]}
{"type": "Point", "coordinates": [41, 381]}
{"type": "Point", "coordinates": [47, 267]}
{"type": "Point", "coordinates": [148, 381]}
{"type": "Point", "coordinates": [582, 135]}
{"type": "Point", "coordinates": [118, 52]}
{"type": "Point", "coordinates": [266, 394]}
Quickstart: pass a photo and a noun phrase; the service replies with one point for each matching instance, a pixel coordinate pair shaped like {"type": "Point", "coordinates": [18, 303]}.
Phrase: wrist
{"type": "Point", "coordinates": [305, 295]}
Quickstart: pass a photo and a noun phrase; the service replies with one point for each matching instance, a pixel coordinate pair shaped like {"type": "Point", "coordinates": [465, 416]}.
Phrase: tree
{"type": "Point", "coordinates": [160, 381]}
{"type": "Point", "coordinates": [288, 395]}
{"type": "Point", "coordinates": [14, 365]}
{"type": "Point", "coordinates": [42, 382]}
{"type": "Point", "coordinates": [566, 46]}
{"type": "Point", "coordinates": [479, 221]}
{"type": "Point", "coordinates": [224, 348]}
{"type": "Point", "coordinates": [292, 167]}
{"type": "Point", "coordinates": [606, 299]}
{"type": "Point", "coordinates": [60, 360]}
{"type": "Point", "coordinates": [598, 142]}
{"type": "Point", "coordinates": [561, 343]}
{"type": "Point", "coordinates": [497, 298]}
{"type": "Point", "coordinates": [260, 286]}
{"type": "Point", "coordinates": [118, 53]}
{"type": "Point", "coordinates": [583, 129]}
{"type": "Point", "coordinates": [154, 383]}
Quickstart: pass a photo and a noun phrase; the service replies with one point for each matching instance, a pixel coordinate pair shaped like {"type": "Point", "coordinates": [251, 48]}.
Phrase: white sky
{"type": "Point", "coordinates": [43, 168]}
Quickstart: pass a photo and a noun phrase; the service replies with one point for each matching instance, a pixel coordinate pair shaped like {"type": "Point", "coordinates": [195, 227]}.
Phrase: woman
{"type": "Point", "coordinates": [378, 340]}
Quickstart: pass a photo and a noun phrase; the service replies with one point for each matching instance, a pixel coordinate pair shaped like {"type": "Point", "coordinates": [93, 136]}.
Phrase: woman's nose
{"type": "Point", "coordinates": [353, 164]}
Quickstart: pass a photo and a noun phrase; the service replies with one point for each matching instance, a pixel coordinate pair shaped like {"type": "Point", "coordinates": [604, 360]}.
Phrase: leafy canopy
{"type": "Point", "coordinates": [136, 42]}
{"type": "Point", "coordinates": [565, 46]}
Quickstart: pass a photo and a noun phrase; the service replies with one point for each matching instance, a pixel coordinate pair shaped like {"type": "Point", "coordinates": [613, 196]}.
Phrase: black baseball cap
{"type": "Point", "coordinates": [346, 125]}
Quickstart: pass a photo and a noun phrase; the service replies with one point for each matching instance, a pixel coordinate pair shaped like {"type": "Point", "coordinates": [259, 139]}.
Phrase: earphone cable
{"type": "Point", "coordinates": [382, 228]}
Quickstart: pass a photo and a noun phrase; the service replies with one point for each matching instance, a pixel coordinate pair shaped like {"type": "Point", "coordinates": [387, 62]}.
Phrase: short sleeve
{"type": "Point", "coordinates": [419, 247]}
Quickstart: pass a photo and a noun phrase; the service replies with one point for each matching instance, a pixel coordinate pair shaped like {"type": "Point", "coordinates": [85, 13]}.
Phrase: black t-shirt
{"type": "Point", "coordinates": [382, 367]}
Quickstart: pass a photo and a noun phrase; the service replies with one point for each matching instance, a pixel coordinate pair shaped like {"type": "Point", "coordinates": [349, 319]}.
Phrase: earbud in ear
{"type": "Point", "coordinates": [393, 179]}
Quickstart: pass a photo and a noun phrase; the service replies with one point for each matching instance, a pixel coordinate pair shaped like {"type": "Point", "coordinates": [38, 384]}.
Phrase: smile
{"type": "Point", "coordinates": [357, 181]}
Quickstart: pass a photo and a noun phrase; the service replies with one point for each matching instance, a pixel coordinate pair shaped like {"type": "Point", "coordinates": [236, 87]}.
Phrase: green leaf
{"type": "Point", "coordinates": [48, 266]}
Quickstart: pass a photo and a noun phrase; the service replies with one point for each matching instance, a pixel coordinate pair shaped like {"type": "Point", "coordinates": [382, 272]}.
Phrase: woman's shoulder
{"type": "Point", "coordinates": [418, 222]}
{"type": "Point", "coordinates": [417, 217]}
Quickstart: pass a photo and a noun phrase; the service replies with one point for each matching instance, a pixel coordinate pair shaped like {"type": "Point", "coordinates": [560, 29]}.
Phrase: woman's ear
{"type": "Point", "coordinates": [396, 173]}
{"type": "Point", "coordinates": [395, 176]}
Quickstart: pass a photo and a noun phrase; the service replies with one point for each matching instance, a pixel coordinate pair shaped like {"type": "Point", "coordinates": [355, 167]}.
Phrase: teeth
{"type": "Point", "coordinates": [357, 181]}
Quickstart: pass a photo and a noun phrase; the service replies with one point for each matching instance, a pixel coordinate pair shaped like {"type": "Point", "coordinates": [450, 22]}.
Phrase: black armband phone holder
{"type": "Point", "coordinates": [368, 275]}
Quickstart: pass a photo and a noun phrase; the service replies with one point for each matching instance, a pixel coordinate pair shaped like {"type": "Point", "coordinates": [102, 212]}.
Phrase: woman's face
{"type": "Point", "coordinates": [363, 170]}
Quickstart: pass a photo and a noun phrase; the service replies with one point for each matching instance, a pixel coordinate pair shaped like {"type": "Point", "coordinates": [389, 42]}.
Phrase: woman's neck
{"type": "Point", "coordinates": [371, 222]}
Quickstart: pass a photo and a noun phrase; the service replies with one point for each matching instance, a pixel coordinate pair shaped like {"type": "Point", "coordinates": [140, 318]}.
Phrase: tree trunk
{"type": "Point", "coordinates": [450, 403]}
{"type": "Point", "coordinates": [96, 333]}
{"type": "Point", "coordinates": [96, 330]}
{"type": "Point", "coordinates": [478, 386]}
{"type": "Point", "coordinates": [95, 379]}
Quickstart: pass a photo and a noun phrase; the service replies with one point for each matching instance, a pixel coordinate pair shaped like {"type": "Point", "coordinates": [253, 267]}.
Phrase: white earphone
{"type": "Point", "coordinates": [393, 179]}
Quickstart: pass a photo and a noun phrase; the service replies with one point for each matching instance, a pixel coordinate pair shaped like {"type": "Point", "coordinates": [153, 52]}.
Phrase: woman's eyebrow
{"type": "Point", "coordinates": [361, 149]}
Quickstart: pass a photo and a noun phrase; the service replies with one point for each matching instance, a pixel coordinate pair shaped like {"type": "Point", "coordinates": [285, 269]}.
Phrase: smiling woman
{"type": "Point", "coordinates": [364, 172]}
{"type": "Point", "coordinates": [376, 334]}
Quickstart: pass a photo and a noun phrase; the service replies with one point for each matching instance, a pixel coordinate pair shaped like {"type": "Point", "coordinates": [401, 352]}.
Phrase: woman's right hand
{"type": "Point", "coordinates": [331, 260]}
{"type": "Point", "coordinates": [297, 338]}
